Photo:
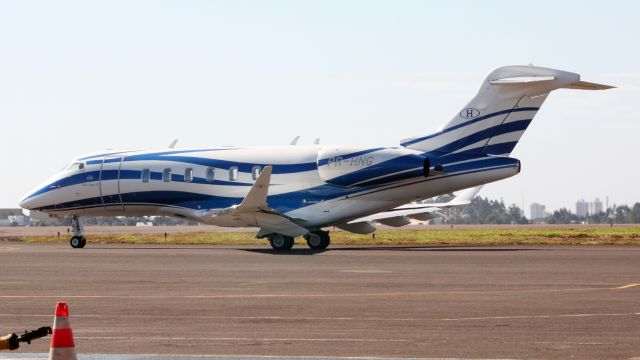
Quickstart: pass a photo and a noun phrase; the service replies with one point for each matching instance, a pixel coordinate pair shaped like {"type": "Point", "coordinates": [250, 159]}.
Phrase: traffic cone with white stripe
{"type": "Point", "coordinates": [62, 344]}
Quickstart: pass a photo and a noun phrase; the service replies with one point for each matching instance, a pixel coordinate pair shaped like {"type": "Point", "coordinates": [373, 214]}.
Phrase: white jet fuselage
{"type": "Point", "coordinates": [316, 185]}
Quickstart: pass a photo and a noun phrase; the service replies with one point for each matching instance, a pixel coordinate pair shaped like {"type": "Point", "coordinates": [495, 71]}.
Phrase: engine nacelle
{"type": "Point", "coordinates": [357, 166]}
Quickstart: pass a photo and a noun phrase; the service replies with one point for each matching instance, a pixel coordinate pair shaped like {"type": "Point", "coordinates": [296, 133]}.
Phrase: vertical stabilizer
{"type": "Point", "coordinates": [495, 119]}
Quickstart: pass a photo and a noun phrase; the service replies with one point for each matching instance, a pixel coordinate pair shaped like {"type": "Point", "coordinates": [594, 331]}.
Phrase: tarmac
{"type": "Point", "coordinates": [517, 302]}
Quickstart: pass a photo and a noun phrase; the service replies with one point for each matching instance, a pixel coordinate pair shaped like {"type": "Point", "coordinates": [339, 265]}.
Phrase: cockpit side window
{"type": "Point", "coordinates": [76, 166]}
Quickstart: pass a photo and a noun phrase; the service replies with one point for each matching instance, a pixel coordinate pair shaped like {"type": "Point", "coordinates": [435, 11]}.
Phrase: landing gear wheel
{"type": "Point", "coordinates": [78, 242]}
{"type": "Point", "coordinates": [281, 242]}
{"type": "Point", "coordinates": [318, 240]}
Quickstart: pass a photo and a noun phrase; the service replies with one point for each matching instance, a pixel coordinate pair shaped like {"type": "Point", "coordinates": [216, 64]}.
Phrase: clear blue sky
{"type": "Point", "coordinates": [76, 77]}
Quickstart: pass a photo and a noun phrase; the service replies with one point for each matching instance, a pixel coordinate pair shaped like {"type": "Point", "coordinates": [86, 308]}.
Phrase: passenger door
{"type": "Point", "coordinates": [110, 183]}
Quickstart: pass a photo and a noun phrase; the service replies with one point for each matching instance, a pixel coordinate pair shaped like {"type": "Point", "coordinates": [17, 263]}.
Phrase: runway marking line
{"type": "Point", "coordinates": [626, 286]}
{"type": "Point", "coordinates": [226, 357]}
{"type": "Point", "coordinates": [296, 318]}
{"type": "Point", "coordinates": [179, 338]}
{"type": "Point", "coordinates": [266, 296]}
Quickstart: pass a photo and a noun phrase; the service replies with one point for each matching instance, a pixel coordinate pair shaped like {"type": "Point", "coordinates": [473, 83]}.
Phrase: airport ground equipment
{"type": "Point", "coordinates": [62, 343]}
{"type": "Point", "coordinates": [12, 341]}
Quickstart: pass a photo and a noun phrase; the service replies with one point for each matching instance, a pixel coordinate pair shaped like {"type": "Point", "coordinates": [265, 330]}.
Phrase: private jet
{"type": "Point", "coordinates": [301, 190]}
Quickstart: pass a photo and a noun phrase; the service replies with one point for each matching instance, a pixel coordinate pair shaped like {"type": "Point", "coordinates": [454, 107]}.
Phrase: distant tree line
{"type": "Point", "coordinates": [485, 211]}
{"type": "Point", "coordinates": [622, 214]}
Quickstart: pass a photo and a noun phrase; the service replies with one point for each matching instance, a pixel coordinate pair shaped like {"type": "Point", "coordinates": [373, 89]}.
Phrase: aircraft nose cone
{"type": "Point", "coordinates": [26, 203]}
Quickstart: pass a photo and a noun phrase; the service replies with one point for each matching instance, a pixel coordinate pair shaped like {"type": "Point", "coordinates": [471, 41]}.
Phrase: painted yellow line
{"type": "Point", "coordinates": [627, 286]}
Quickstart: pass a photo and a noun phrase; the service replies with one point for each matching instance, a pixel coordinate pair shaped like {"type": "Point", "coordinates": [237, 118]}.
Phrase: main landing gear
{"type": "Point", "coordinates": [317, 240]}
{"type": "Point", "coordinates": [78, 240]}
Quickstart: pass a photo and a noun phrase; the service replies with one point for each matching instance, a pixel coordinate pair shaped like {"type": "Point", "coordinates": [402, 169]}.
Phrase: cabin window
{"type": "Point", "coordinates": [188, 175]}
{"type": "Point", "coordinates": [255, 172]}
{"type": "Point", "coordinates": [210, 174]}
{"type": "Point", "coordinates": [233, 173]}
{"type": "Point", "coordinates": [166, 175]}
{"type": "Point", "coordinates": [146, 175]}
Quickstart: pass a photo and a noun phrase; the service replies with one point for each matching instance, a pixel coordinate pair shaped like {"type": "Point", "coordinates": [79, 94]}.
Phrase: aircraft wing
{"type": "Point", "coordinates": [402, 215]}
{"type": "Point", "coordinates": [254, 211]}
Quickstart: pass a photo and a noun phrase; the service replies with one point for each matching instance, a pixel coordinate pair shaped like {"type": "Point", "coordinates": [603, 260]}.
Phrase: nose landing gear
{"type": "Point", "coordinates": [78, 240]}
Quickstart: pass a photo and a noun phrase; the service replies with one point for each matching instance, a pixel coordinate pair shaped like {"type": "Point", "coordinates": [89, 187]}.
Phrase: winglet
{"type": "Point", "coordinates": [257, 196]}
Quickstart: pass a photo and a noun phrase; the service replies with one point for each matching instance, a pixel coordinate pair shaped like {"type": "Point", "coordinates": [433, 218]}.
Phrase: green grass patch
{"type": "Point", "coordinates": [587, 236]}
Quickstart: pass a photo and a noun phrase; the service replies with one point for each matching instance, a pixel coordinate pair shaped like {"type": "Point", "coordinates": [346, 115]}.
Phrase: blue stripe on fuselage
{"type": "Point", "coordinates": [225, 164]}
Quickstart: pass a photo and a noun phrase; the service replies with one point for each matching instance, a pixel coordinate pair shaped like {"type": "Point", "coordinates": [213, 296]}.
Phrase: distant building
{"type": "Point", "coordinates": [19, 220]}
{"type": "Point", "coordinates": [537, 211]}
{"type": "Point", "coordinates": [42, 218]}
{"type": "Point", "coordinates": [5, 213]}
{"type": "Point", "coordinates": [595, 207]}
{"type": "Point", "coordinates": [6, 216]}
{"type": "Point", "coordinates": [582, 208]}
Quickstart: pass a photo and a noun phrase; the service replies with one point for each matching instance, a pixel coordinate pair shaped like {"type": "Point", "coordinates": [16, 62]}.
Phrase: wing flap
{"type": "Point", "coordinates": [358, 228]}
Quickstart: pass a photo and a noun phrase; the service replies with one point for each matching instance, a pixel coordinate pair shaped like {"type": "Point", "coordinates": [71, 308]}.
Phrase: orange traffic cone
{"type": "Point", "coordinates": [62, 344]}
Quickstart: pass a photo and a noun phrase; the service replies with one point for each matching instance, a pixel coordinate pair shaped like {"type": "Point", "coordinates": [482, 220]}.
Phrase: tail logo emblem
{"type": "Point", "coordinates": [469, 113]}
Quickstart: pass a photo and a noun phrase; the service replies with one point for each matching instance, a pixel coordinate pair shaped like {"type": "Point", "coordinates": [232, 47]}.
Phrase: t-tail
{"type": "Point", "coordinates": [495, 119]}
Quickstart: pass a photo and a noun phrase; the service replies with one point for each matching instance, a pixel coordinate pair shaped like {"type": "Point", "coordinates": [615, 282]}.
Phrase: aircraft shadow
{"type": "Point", "coordinates": [459, 248]}
{"type": "Point", "coordinates": [303, 251]}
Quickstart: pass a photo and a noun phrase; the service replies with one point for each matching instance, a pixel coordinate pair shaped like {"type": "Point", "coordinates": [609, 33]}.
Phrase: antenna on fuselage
{"type": "Point", "coordinates": [295, 140]}
{"type": "Point", "coordinates": [173, 144]}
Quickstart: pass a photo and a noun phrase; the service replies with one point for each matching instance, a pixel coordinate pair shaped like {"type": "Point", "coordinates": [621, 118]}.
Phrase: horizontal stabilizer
{"type": "Point", "coordinates": [584, 85]}
{"type": "Point", "coordinates": [521, 80]}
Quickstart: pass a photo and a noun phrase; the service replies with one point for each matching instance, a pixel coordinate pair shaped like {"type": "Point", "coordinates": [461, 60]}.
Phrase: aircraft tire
{"type": "Point", "coordinates": [78, 242]}
{"type": "Point", "coordinates": [318, 240]}
{"type": "Point", "coordinates": [281, 242]}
